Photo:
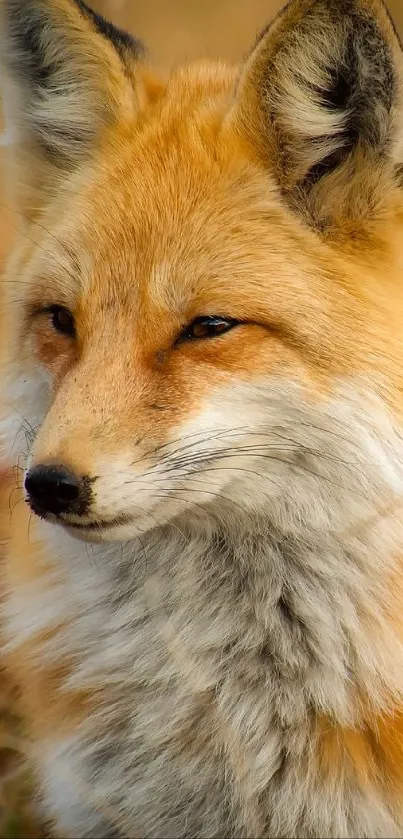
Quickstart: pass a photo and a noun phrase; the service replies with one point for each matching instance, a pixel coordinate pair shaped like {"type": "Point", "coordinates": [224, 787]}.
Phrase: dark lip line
{"type": "Point", "coordinates": [101, 524]}
{"type": "Point", "coordinates": [98, 525]}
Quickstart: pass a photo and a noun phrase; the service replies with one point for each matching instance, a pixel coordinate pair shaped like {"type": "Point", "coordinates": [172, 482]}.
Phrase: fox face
{"type": "Point", "coordinates": [201, 265]}
{"type": "Point", "coordinates": [194, 253]}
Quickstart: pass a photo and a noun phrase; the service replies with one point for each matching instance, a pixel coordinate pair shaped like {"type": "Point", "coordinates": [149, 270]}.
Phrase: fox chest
{"type": "Point", "coordinates": [144, 723]}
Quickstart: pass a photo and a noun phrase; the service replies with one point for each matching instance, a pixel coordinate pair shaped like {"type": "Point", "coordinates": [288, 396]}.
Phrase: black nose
{"type": "Point", "coordinates": [52, 489]}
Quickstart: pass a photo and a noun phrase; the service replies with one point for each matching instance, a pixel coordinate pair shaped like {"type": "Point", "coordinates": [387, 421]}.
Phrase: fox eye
{"type": "Point", "coordinates": [207, 327]}
{"type": "Point", "coordinates": [62, 320]}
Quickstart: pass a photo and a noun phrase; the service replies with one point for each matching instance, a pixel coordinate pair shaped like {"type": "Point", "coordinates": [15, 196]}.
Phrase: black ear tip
{"type": "Point", "coordinates": [123, 41]}
{"type": "Point", "coordinates": [25, 19]}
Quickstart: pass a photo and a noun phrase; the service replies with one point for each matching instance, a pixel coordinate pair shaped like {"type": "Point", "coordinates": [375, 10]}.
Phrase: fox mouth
{"type": "Point", "coordinates": [102, 524]}
{"type": "Point", "coordinates": [89, 527]}
{"type": "Point", "coordinates": [99, 524]}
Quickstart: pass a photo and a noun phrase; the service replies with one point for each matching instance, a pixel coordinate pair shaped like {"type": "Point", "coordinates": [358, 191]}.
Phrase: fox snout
{"type": "Point", "coordinates": [53, 489]}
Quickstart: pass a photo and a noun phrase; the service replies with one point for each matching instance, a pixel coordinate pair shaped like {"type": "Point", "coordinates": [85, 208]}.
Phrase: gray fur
{"type": "Point", "coordinates": [217, 638]}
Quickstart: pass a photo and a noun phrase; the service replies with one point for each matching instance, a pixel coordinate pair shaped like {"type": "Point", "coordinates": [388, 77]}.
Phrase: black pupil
{"type": "Point", "coordinates": [63, 320]}
{"type": "Point", "coordinates": [208, 327]}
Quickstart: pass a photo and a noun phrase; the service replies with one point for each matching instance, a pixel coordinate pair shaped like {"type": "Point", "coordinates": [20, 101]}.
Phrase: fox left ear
{"type": "Point", "coordinates": [320, 99]}
{"type": "Point", "coordinates": [66, 75]}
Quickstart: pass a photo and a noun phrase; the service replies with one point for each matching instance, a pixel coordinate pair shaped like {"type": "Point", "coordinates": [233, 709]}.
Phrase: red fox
{"type": "Point", "coordinates": [203, 388]}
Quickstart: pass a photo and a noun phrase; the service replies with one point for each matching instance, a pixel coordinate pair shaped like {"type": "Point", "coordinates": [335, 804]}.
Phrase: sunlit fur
{"type": "Point", "coordinates": [220, 652]}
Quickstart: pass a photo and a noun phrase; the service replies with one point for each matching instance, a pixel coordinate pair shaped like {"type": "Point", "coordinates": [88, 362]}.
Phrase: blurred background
{"type": "Point", "coordinates": [175, 30]}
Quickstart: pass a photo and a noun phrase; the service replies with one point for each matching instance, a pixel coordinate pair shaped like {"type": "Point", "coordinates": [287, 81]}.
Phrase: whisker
{"type": "Point", "coordinates": [213, 434]}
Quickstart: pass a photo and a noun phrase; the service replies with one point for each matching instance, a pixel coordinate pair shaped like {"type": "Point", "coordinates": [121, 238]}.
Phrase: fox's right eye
{"type": "Point", "coordinates": [62, 320]}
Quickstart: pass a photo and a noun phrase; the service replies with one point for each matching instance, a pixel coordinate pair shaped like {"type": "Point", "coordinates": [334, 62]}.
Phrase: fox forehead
{"type": "Point", "coordinates": [173, 211]}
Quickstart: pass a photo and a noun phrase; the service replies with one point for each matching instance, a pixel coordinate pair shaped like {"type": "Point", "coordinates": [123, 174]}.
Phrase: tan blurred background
{"type": "Point", "coordinates": [175, 30]}
{"type": "Point", "coordinates": [179, 30]}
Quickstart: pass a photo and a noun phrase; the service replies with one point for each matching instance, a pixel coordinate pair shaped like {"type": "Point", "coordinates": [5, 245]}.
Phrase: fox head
{"type": "Point", "coordinates": [203, 309]}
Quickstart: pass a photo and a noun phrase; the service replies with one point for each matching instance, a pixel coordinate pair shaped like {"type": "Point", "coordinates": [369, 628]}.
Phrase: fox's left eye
{"type": "Point", "coordinates": [207, 327]}
{"type": "Point", "coordinates": [62, 320]}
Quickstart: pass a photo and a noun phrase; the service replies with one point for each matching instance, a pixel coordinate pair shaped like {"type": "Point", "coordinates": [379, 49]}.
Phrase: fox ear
{"type": "Point", "coordinates": [320, 98]}
{"type": "Point", "coordinates": [66, 73]}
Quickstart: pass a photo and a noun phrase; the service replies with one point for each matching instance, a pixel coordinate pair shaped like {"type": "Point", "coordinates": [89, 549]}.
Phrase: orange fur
{"type": "Point", "coordinates": [185, 207]}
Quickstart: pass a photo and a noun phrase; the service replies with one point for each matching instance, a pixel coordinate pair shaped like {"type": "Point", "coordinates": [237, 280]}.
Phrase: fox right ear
{"type": "Point", "coordinates": [66, 73]}
{"type": "Point", "coordinates": [321, 101]}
